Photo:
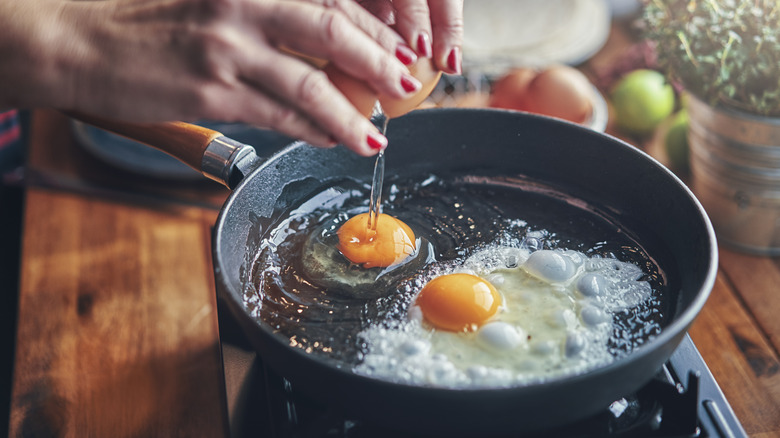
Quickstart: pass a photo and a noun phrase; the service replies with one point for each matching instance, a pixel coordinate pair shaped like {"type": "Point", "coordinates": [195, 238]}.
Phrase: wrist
{"type": "Point", "coordinates": [40, 52]}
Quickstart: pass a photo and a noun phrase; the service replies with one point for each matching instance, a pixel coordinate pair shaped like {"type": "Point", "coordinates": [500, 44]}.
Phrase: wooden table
{"type": "Point", "coordinates": [117, 330]}
{"type": "Point", "coordinates": [117, 326]}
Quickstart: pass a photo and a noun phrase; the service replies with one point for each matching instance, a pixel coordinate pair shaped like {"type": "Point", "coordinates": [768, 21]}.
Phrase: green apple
{"type": "Point", "coordinates": [676, 141]}
{"type": "Point", "coordinates": [642, 99]}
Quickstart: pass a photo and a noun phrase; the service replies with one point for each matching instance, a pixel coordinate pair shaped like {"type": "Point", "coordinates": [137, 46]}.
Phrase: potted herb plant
{"type": "Point", "coordinates": [725, 54]}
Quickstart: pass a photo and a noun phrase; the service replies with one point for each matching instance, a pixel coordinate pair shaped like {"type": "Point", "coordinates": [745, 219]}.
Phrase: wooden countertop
{"type": "Point", "coordinates": [117, 328]}
{"type": "Point", "coordinates": [117, 331]}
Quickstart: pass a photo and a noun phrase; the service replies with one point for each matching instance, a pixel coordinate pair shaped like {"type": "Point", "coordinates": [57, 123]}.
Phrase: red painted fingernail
{"type": "Point", "coordinates": [424, 45]}
{"type": "Point", "coordinates": [453, 60]}
{"type": "Point", "coordinates": [376, 141]}
{"type": "Point", "coordinates": [405, 54]}
{"type": "Point", "coordinates": [410, 83]}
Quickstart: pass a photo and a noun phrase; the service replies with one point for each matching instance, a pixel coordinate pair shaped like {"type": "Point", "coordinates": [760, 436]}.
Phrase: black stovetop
{"type": "Point", "coordinates": [683, 400]}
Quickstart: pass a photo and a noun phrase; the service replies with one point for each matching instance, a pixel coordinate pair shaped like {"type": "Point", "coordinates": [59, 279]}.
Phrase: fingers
{"type": "Point", "coordinates": [372, 22]}
{"type": "Point", "coordinates": [350, 37]}
{"type": "Point", "coordinates": [308, 105]}
{"type": "Point", "coordinates": [412, 20]}
{"type": "Point", "coordinates": [359, 44]}
{"type": "Point", "coordinates": [434, 29]}
{"type": "Point", "coordinates": [267, 112]}
{"type": "Point", "coordinates": [223, 64]}
{"type": "Point", "coordinates": [447, 24]}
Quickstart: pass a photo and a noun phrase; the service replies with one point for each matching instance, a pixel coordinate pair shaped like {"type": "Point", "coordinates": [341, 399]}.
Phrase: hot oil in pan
{"type": "Point", "coordinates": [453, 217]}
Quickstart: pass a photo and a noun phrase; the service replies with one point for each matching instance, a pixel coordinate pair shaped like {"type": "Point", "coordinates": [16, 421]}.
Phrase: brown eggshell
{"type": "Point", "coordinates": [560, 91]}
{"type": "Point", "coordinates": [356, 91]}
{"type": "Point", "coordinates": [426, 73]}
{"type": "Point", "coordinates": [509, 91]}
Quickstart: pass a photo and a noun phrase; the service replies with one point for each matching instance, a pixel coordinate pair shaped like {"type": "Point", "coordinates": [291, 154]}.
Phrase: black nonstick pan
{"type": "Point", "coordinates": [648, 201]}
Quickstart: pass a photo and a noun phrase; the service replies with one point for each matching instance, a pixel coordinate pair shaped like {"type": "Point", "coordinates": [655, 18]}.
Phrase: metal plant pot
{"type": "Point", "coordinates": [735, 173]}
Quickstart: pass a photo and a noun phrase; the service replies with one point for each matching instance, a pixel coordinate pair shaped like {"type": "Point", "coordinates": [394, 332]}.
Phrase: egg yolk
{"type": "Point", "coordinates": [458, 302]}
{"type": "Point", "coordinates": [390, 243]}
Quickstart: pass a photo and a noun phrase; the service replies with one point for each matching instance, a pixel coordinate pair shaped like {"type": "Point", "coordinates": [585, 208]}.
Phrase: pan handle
{"type": "Point", "coordinates": [218, 157]}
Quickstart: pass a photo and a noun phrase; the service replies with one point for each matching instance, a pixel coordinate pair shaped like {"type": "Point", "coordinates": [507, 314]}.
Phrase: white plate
{"type": "Point", "coordinates": [501, 34]}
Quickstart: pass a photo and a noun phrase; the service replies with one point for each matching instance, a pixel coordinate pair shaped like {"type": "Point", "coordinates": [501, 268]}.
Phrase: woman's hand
{"type": "Point", "coordinates": [154, 60]}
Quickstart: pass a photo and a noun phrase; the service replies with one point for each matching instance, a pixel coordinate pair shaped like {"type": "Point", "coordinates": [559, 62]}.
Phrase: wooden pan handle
{"type": "Point", "coordinates": [184, 141]}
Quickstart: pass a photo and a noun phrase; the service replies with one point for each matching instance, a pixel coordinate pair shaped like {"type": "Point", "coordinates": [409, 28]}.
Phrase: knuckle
{"type": "Point", "coordinates": [387, 38]}
{"type": "Point", "coordinates": [416, 10]}
{"type": "Point", "coordinates": [385, 64]}
{"type": "Point", "coordinates": [453, 28]}
{"type": "Point", "coordinates": [211, 50]}
{"type": "Point", "coordinates": [313, 87]}
{"type": "Point", "coordinates": [334, 26]}
{"type": "Point", "coordinates": [382, 72]}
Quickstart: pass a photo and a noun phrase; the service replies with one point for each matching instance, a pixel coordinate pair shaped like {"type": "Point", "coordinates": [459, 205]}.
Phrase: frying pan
{"type": "Point", "coordinates": [637, 191]}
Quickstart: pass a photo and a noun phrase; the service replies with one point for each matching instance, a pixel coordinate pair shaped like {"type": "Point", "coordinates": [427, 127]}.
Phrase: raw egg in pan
{"type": "Point", "coordinates": [350, 259]}
{"type": "Point", "coordinates": [388, 243]}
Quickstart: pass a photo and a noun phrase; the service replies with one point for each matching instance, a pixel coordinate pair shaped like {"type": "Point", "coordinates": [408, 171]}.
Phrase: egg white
{"type": "Point", "coordinates": [555, 319]}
